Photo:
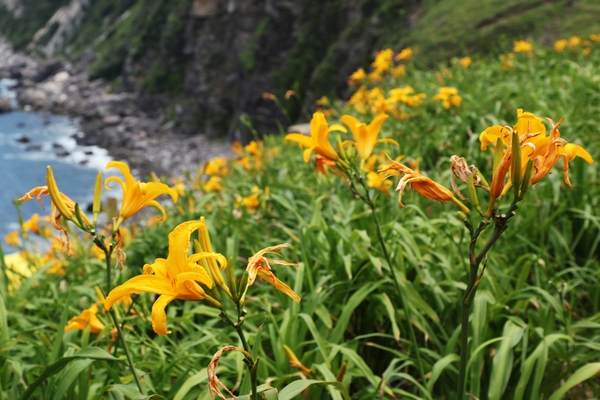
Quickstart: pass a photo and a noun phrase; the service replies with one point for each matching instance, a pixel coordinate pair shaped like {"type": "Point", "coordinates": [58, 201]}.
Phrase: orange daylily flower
{"type": "Point", "coordinates": [136, 194]}
{"type": "Point", "coordinates": [87, 318]}
{"type": "Point", "coordinates": [366, 135]}
{"type": "Point", "coordinates": [318, 140]}
{"type": "Point", "coordinates": [175, 277]}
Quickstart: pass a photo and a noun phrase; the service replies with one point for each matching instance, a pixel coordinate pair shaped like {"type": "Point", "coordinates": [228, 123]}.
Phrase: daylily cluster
{"type": "Point", "coordinates": [374, 100]}
{"type": "Point", "coordinates": [448, 96]}
{"type": "Point", "coordinates": [575, 43]}
{"type": "Point", "coordinates": [383, 63]}
{"type": "Point", "coordinates": [523, 155]}
{"type": "Point", "coordinates": [196, 276]}
{"type": "Point", "coordinates": [348, 152]}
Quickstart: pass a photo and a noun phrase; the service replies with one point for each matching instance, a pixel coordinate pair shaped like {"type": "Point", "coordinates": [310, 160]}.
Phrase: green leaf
{"type": "Point", "coordinates": [530, 362]}
{"type": "Point", "coordinates": [354, 301]}
{"type": "Point", "coordinates": [321, 343]}
{"type": "Point", "coordinates": [438, 368]}
{"type": "Point", "coordinates": [94, 353]}
{"type": "Point", "coordinates": [297, 387]}
{"type": "Point", "coordinates": [192, 381]}
{"type": "Point", "coordinates": [69, 375]}
{"type": "Point", "coordinates": [503, 360]}
{"type": "Point", "coordinates": [584, 373]}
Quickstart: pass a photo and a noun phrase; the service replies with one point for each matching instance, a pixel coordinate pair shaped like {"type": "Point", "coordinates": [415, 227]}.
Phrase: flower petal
{"type": "Point", "coordinates": [138, 284]}
{"type": "Point", "coordinates": [159, 317]}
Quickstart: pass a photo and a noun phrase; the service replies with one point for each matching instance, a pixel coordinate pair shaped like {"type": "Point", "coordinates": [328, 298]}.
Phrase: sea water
{"type": "Point", "coordinates": [29, 142]}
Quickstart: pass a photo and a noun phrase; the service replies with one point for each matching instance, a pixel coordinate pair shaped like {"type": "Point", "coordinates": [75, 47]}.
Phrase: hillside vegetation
{"type": "Point", "coordinates": [371, 297]}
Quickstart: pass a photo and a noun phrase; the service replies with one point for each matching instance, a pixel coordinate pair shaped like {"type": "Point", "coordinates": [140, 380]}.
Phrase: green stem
{"type": "Point", "coordinates": [250, 362]}
{"type": "Point", "coordinates": [472, 286]}
{"type": "Point", "coordinates": [108, 253]}
{"type": "Point", "coordinates": [403, 301]}
{"type": "Point", "coordinates": [127, 353]}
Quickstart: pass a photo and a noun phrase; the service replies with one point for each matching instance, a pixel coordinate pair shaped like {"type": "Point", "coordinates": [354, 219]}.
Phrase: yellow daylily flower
{"type": "Point", "coordinates": [560, 45]}
{"type": "Point", "coordinates": [18, 268]}
{"type": "Point", "coordinates": [378, 182]}
{"type": "Point", "coordinates": [61, 205]}
{"type": "Point", "coordinates": [318, 140]}
{"type": "Point", "coordinates": [213, 184]}
{"type": "Point", "coordinates": [175, 277]}
{"type": "Point", "coordinates": [357, 77]}
{"type": "Point", "coordinates": [87, 318]}
{"type": "Point", "coordinates": [522, 46]}
{"type": "Point", "coordinates": [136, 194]}
{"type": "Point", "coordinates": [258, 265]}
{"type": "Point", "coordinates": [216, 166]}
{"type": "Point", "coordinates": [383, 60]}
{"type": "Point", "coordinates": [448, 96]}
{"type": "Point", "coordinates": [465, 62]}
{"type": "Point", "coordinates": [13, 239]}
{"type": "Point", "coordinates": [423, 185]}
{"type": "Point", "coordinates": [545, 151]}
{"type": "Point", "coordinates": [366, 135]}
{"type": "Point", "coordinates": [405, 54]}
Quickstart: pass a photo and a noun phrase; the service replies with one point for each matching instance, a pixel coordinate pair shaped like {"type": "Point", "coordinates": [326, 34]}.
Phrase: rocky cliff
{"type": "Point", "coordinates": [206, 63]}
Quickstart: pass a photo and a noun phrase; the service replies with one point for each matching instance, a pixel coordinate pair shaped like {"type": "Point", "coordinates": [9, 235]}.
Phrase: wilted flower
{"type": "Point", "coordinates": [423, 185]}
{"type": "Point", "coordinates": [258, 265]}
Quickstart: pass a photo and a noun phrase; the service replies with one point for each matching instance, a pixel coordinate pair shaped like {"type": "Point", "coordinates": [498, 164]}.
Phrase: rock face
{"type": "Point", "coordinates": [205, 64]}
{"type": "Point", "coordinates": [5, 105]}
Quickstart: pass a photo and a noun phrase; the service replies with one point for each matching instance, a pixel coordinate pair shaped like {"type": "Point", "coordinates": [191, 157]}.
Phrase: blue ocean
{"type": "Point", "coordinates": [30, 141]}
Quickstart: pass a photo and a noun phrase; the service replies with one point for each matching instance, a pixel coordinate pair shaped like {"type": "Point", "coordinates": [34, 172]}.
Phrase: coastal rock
{"type": "Point", "coordinates": [5, 105]}
{"type": "Point", "coordinates": [34, 97]}
{"type": "Point", "coordinates": [111, 119]}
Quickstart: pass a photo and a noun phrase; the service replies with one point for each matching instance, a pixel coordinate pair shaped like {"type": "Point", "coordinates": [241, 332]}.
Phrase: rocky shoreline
{"type": "Point", "coordinates": [123, 123]}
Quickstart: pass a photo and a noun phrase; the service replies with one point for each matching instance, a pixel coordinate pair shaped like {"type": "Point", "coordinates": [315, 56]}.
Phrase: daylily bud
{"type": "Point", "coordinates": [515, 174]}
{"type": "Point", "coordinates": [78, 216]}
{"type": "Point", "coordinates": [231, 278]}
{"type": "Point", "coordinates": [462, 217]}
{"type": "Point", "coordinates": [97, 197]}
{"type": "Point", "coordinates": [340, 148]}
{"type": "Point", "coordinates": [498, 154]}
{"type": "Point", "coordinates": [526, 183]}
{"type": "Point", "coordinates": [243, 287]}
{"type": "Point", "coordinates": [342, 164]}
{"type": "Point", "coordinates": [473, 198]}
{"type": "Point", "coordinates": [55, 196]}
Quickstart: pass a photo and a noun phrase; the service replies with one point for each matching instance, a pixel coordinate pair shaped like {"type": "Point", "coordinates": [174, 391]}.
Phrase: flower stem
{"type": "Point", "coordinates": [108, 253]}
{"type": "Point", "coordinates": [250, 362]}
{"type": "Point", "coordinates": [404, 303]}
{"type": "Point", "coordinates": [472, 286]}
